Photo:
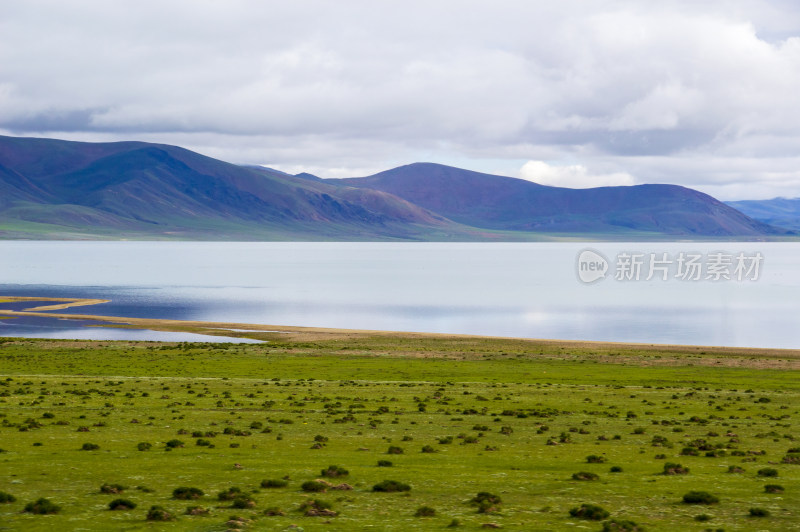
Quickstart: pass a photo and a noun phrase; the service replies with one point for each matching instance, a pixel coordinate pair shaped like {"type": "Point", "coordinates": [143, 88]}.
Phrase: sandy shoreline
{"type": "Point", "coordinates": [296, 333]}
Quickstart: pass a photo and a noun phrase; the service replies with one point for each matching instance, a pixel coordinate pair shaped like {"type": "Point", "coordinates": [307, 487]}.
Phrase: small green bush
{"type": "Point", "coordinates": [615, 469]}
{"type": "Point", "coordinates": [334, 471]}
{"type": "Point", "coordinates": [384, 463]}
{"type": "Point", "coordinates": [121, 504]}
{"type": "Point", "coordinates": [243, 502]}
{"type": "Point", "coordinates": [174, 444]}
{"type": "Point", "coordinates": [229, 494]}
{"type": "Point", "coordinates": [585, 475]}
{"type": "Point", "coordinates": [157, 513]}
{"type": "Point", "coordinates": [700, 497]}
{"type": "Point", "coordinates": [6, 498]}
{"type": "Point", "coordinates": [703, 518]}
{"type": "Point", "coordinates": [425, 511]}
{"type": "Point", "coordinates": [595, 459]}
{"type": "Point", "coordinates": [274, 511]}
{"type": "Point", "coordinates": [394, 449]}
{"type": "Point", "coordinates": [144, 446]}
{"type": "Point", "coordinates": [274, 483]}
{"type": "Point", "coordinates": [112, 489]}
{"type": "Point", "coordinates": [89, 447]}
{"type": "Point", "coordinates": [759, 512]}
{"type": "Point", "coordinates": [428, 449]}
{"type": "Point", "coordinates": [196, 510]}
{"type": "Point", "coordinates": [768, 472]}
{"type": "Point", "coordinates": [390, 486]}
{"type": "Point", "coordinates": [42, 506]}
{"type": "Point", "coordinates": [183, 493]}
{"type": "Point", "coordinates": [773, 488]}
{"type": "Point", "coordinates": [671, 468]}
{"type": "Point", "coordinates": [313, 486]}
{"type": "Point", "coordinates": [317, 508]}
{"type": "Point", "coordinates": [592, 512]}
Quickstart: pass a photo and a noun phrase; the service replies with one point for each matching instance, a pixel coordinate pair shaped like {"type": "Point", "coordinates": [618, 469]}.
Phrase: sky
{"type": "Point", "coordinates": [568, 93]}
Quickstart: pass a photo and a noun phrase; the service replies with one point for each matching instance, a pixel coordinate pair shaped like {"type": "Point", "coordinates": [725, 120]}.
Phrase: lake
{"type": "Point", "coordinates": [530, 290]}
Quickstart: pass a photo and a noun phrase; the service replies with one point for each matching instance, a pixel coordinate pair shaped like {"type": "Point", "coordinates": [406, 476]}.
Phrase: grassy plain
{"type": "Point", "coordinates": [514, 418]}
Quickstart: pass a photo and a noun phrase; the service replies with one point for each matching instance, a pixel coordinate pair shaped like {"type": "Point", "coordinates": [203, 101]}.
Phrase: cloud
{"type": "Point", "coordinates": [573, 176]}
{"type": "Point", "coordinates": [621, 86]}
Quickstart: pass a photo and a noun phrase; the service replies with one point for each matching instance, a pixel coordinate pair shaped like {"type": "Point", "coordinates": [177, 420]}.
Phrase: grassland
{"type": "Point", "coordinates": [513, 418]}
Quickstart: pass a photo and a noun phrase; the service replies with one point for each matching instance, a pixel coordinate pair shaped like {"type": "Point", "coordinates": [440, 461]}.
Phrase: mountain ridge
{"type": "Point", "coordinates": [53, 188]}
{"type": "Point", "coordinates": [515, 204]}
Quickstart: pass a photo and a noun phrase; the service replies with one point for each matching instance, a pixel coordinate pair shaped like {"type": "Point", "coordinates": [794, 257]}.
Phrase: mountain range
{"type": "Point", "coordinates": [780, 212]}
{"type": "Point", "coordinates": [62, 189]}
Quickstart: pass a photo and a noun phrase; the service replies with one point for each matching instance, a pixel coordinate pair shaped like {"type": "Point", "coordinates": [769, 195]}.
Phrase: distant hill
{"type": "Point", "coordinates": [779, 212]}
{"type": "Point", "coordinates": [503, 203]}
{"type": "Point", "coordinates": [136, 188]}
{"type": "Point", "coordinates": [60, 189]}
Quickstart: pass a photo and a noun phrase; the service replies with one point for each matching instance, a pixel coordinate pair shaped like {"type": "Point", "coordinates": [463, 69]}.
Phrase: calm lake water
{"type": "Point", "coordinates": [506, 289]}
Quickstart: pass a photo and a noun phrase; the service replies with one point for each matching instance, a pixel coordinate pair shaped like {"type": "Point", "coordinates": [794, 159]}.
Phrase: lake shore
{"type": "Point", "coordinates": [285, 333]}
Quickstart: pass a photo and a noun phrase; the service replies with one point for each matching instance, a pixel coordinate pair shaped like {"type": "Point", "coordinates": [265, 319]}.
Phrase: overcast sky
{"type": "Point", "coordinates": [570, 93]}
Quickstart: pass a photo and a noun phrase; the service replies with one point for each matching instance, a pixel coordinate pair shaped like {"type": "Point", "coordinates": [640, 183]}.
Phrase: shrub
{"type": "Point", "coordinates": [157, 513]}
{"type": "Point", "coordinates": [425, 511]}
{"type": "Point", "coordinates": [317, 508]}
{"type": "Point", "coordinates": [700, 497]}
{"type": "Point", "coordinates": [487, 502]}
{"type": "Point", "coordinates": [792, 457]}
{"type": "Point", "coordinates": [274, 511]}
{"type": "Point", "coordinates": [314, 486]}
{"type": "Point", "coordinates": [592, 512]}
{"type": "Point", "coordinates": [393, 449]}
{"type": "Point", "coordinates": [773, 488]}
{"type": "Point", "coordinates": [615, 469]}
{"type": "Point", "coordinates": [243, 502]}
{"type": "Point", "coordinates": [390, 486]}
{"type": "Point", "coordinates": [183, 493]}
{"type": "Point", "coordinates": [144, 446]}
{"type": "Point", "coordinates": [735, 469]}
{"type": "Point", "coordinates": [759, 512]}
{"type": "Point", "coordinates": [121, 504]}
{"type": "Point", "coordinates": [384, 463]}
{"type": "Point", "coordinates": [112, 489]}
{"type": "Point", "coordinates": [229, 494]}
{"type": "Point", "coordinates": [196, 510]}
{"type": "Point", "coordinates": [334, 471]}
{"type": "Point", "coordinates": [174, 444]}
{"type": "Point", "coordinates": [6, 498]}
{"type": "Point", "coordinates": [274, 483]}
{"type": "Point", "coordinates": [428, 449]}
{"type": "Point", "coordinates": [585, 475]}
{"type": "Point", "coordinates": [621, 526]}
{"type": "Point", "coordinates": [89, 447]}
{"type": "Point", "coordinates": [675, 469]}
{"type": "Point", "coordinates": [485, 496]}
{"type": "Point", "coordinates": [42, 506]}
{"type": "Point", "coordinates": [768, 472]}
{"type": "Point", "coordinates": [703, 518]}
{"type": "Point", "coordinates": [595, 459]}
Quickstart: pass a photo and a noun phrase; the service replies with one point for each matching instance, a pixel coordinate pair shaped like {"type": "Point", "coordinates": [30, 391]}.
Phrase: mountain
{"type": "Point", "coordinates": [135, 188]}
{"type": "Point", "coordinates": [779, 212]}
{"type": "Point", "coordinates": [61, 189]}
{"type": "Point", "coordinates": [504, 203]}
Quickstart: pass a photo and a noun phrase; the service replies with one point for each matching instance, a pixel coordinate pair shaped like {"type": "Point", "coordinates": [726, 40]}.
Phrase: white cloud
{"type": "Point", "coordinates": [622, 87]}
{"type": "Point", "coordinates": [572, 176]}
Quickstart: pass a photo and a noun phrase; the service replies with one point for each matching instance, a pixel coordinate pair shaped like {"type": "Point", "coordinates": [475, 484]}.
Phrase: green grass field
{"type": "Point", "coordinates": [516, 419]}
